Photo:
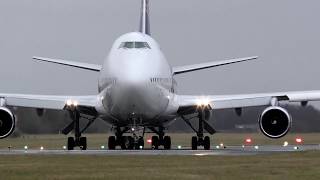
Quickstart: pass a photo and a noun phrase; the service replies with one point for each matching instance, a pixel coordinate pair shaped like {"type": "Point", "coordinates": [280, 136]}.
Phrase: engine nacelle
{"type": "Point", "coordinates": [275, 122]}
{"type": "Point", "coordinates": [7, 122]}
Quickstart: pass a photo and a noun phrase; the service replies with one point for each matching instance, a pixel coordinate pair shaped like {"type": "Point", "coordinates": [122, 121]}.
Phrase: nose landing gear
{"type": "Point", "coordinates": [135, 141]}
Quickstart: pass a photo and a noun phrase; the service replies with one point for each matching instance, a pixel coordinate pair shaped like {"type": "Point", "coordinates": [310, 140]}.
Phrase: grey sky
{"type": "Point", "coordinates": [284, 33]}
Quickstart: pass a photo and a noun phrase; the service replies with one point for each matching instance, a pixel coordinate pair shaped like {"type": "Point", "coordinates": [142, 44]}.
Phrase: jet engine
{"type": "Point", "coordinates": [275, 122]}
{"type": "Point", "coordinates": [7, 122]}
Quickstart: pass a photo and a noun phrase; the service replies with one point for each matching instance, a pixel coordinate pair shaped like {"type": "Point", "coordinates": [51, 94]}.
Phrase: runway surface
{"type": "Point", "coordinates": [218, 150]}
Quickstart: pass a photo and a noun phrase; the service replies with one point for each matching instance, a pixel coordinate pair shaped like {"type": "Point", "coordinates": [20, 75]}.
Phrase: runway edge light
{"type": "Point", "coordinates": [248, 140]}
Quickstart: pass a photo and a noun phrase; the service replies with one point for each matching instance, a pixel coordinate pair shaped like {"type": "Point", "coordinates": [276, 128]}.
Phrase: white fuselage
{"type": "Point", "coordinates": [136, 84]}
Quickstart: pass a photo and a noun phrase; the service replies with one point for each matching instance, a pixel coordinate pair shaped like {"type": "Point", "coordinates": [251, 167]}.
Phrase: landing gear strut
{"type": "Point", "coordinates": [77, 140]}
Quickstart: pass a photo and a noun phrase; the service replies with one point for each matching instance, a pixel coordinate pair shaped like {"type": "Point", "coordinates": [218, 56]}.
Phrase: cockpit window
{"type": "Point", "coordinates": [136, 45]}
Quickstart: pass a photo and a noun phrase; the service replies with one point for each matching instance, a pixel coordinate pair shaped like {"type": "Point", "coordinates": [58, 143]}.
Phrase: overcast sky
{"type": "Point", "coordinates": [283, 33]}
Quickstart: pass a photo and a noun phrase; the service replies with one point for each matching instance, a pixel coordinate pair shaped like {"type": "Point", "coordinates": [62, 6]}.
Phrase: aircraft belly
{"type": "Point", "coordinates": [143, 103]}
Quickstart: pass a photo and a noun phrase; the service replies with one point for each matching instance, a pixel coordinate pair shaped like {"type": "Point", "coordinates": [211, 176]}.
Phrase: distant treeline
{"type": "Point", "coordinates": [305, 119]}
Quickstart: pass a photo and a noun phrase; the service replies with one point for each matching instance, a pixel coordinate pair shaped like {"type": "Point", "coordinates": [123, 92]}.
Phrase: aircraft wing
{"type": "Point", "coordinates": [47, 101]}
{"type": "Point", "coordinates": [196, 67]}
{"type": "Point", "coordinates": [87, 66]}
{"type": "Point", "coordinates": [187, 104]}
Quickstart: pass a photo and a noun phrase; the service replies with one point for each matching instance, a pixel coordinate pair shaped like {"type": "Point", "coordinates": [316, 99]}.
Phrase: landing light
{"type": "Point", "coordinates": [25, 147]}
{"type": "Point", "coordinates": [64, 147]}
{"type": "Point", "coordinates": [285, 144]}
{"type": "Point", "coordinates": [41, 148]}
{"type": "Point", "coordinates": [256, 147]}
{"type": "Point", "coordinates": [102, 147]}
{"type": "Point", "coordinates": [179, 147]}
{"type": "Point", "coordinates": [69, 102]}
{"type": "Point", "coordinates": [203, 102]}
{"type": "Point", "coordinates": [75, 103]}
{"type": "Point", "coordinates": [72, 103]}
{"type": "Point", "coordinates": [218, 147]}
{"type": "Point", "coordinates": [141, 147]}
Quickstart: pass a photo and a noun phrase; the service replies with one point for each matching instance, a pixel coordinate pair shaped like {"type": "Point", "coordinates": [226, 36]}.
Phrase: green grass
{"type": "Point", "coordinates": [298, 165]}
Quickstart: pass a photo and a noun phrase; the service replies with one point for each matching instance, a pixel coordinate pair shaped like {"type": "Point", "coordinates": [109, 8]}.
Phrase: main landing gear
{"type": "Point", "coordinates": [200, 139]}
{"type": "Point", "coordinates": [77, 140]}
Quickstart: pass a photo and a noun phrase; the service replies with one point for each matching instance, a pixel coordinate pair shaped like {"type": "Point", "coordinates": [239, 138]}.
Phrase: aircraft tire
{"type": "Point", "coordinates": [83, 143]}
{"type": "Point", "coordinates": [71, 143]}
{"type": "Point", "coordinates": [155, 142]}
{"type": "Point", "coordinates": [112, 143]}
{"type": "Point", "coordinates": [167, 142]}
{"type": "Point", "coordinates": [194, 143]}
{"type": "Point", "coordinates": [206, 143]}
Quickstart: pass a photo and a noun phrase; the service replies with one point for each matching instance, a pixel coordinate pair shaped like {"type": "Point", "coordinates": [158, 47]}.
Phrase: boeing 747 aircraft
{"type": "Point", "coordinates": [137, 94]}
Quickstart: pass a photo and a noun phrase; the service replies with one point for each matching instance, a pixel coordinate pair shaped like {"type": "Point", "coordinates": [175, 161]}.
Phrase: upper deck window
{"type": "Point", "coordinates": [135, 45]}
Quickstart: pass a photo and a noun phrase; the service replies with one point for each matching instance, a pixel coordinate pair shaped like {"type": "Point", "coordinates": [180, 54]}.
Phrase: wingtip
{"type": "Point", "coordinates": [35, 58]}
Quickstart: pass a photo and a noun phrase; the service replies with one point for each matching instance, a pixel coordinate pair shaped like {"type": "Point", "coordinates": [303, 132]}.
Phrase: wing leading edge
{"type": "Point", "coordinates": [196, 67]}
{"type": "Point", "coordinates": [87, 66]}
{"type": "Point", "coordinates": [47, 101]}
{"type": "Point", "coordinates": [246, 100]}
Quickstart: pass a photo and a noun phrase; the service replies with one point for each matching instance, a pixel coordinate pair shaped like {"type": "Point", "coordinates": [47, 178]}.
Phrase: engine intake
{"type": "Point", "coordinates": [275, 122]}
{"type": "Point", "coordinates": [7, 122]}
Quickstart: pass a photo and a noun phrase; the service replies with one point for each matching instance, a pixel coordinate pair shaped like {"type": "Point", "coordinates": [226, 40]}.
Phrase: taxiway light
{"type": "Point", "coordinates": [299, 140]}
{"type": "Point", "coordinates": [221, 145]}
{"type": "Point", "coordinates": [149, 141]}
{"type": "Point", "coordinates": [285, 143]}
{"type": "Point", "coordinates": [218, 147]}
{"type": "Point", "coordinates": [256, 147]}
